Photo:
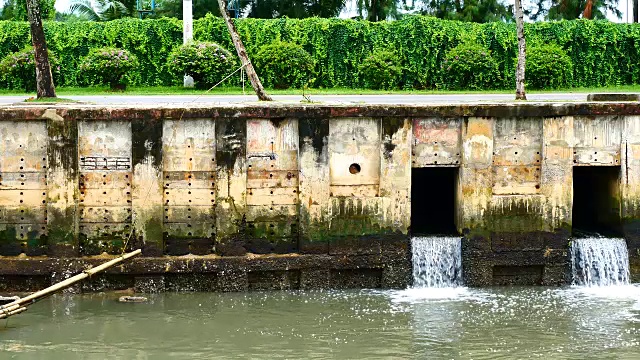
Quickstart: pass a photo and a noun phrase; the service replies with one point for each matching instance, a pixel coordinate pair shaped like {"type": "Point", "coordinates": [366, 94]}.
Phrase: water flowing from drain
{"type": "Point", "coordinates": [599, 262]}
{"type": "Point", "coordinates": [437, 262]}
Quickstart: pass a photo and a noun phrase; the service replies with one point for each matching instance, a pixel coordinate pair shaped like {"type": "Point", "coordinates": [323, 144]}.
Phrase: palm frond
{"type": "Point", "coordinates": [85, 9]}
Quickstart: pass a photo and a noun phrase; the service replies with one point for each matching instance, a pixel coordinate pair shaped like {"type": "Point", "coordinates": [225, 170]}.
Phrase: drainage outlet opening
{"type": "Point", "coordinates": [433, 201]}
{"type": "Point", "coordinates": [596, 201]}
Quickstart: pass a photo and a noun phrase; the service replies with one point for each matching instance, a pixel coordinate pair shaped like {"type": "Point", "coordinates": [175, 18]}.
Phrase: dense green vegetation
{"type": "Point", "coordinates": [282, 65]}
{"type": "Point", "coordinates": [469, 66]}
{"type": "Point", "coordinates": [601, 53]}
{"type": "Point", "coordinates": [18, 69]}
{"type": "Point", "coordinates": [107, 66]}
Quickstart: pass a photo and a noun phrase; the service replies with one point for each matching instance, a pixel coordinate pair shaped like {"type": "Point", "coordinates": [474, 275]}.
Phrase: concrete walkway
{"type": "Point", "coordinates": [339, 99]}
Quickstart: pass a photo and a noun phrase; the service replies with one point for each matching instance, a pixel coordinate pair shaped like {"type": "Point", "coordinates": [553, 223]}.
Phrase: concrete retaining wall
{"type": "Point", "coordinates": [302, 196]}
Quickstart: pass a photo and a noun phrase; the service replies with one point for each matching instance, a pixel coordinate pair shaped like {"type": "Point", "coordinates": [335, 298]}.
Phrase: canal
{"type": "Point", "coordinates": [449, 323]}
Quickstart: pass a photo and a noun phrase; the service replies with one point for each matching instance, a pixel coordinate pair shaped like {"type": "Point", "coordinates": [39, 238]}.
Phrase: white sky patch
{"type": "Point", "coordinates": [63, 5]}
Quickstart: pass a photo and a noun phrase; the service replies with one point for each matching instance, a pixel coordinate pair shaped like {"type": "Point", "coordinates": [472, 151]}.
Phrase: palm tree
{"type": "Point", "coordinates": [99, 10]}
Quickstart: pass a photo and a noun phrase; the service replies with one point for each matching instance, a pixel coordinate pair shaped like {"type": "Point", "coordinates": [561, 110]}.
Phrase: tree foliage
{"type": "Point", "coordinates": [480, 11]}
{"type": "Point", "coordinates": [17, 10]}
{"type": "Point", "coordinates": [602, 53]}
{"type": "Point", "coordinates": [99, 10]}
{"type": "Point", "coordinates": [173, 8]}
{"type": "Point", "coordinates": [572, 9]}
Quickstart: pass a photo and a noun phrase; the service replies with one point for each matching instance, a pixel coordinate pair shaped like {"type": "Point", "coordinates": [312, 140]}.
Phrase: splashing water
{"type": "Point", "coordinates": [599, 262]}
{"type": "Point", "coordinates": [437, 262]}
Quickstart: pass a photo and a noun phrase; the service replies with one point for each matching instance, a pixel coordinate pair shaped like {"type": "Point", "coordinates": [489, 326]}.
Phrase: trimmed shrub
{"type": "Point", "coordinates": [282, 65]}
{"type": "Point", "coordinates": [470, 66]}
{"type": "Point", "coordinates": [548, 67]}
{"type": "Point", "coordinates": [108, 66]}
{"type": "Point", "coordinates": [381, 70]}
{"type": "Point", "coordinates": [206, 62]}
{"type": "Point", "coordinates": [18, 70]}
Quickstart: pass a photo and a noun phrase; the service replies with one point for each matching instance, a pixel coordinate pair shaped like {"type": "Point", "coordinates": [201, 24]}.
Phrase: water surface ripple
{"type": "Point", "coordinates": [455, 323]}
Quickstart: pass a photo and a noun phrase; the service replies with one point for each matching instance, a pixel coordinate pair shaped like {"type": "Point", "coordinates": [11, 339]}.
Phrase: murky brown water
{"type": "Point", "coordinates": [497, 323]}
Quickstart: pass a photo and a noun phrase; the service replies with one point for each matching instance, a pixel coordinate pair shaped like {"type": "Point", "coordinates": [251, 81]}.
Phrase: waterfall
{"type": "Point", "coordinates": [599, 262]}
{"type": "Point", "coordinates": [437, 262]}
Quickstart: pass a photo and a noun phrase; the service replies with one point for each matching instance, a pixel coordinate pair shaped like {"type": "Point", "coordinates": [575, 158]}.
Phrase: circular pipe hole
{"type": "Point", "coordinates": [354, 168]}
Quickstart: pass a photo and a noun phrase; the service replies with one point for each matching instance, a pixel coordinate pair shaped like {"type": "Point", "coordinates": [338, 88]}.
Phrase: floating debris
{"type": "Point", "coordinates": [132, 299]}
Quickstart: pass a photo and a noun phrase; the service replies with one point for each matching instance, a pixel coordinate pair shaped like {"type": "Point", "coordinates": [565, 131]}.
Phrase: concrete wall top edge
{"type": "Point", "coordinates": [296, 110]}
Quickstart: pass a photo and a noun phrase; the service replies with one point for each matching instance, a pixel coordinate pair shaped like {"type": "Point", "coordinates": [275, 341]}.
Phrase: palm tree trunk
{"type": "Point", "coordinates": [44, 79]}
{"type": "Point", "coordinates": [522, 50]}
{"type": "Point", "coordinates": [242, 54]}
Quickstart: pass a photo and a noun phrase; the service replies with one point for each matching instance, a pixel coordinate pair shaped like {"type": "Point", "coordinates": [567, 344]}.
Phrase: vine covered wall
{"type": "Point", "coordinates": [602, 53]}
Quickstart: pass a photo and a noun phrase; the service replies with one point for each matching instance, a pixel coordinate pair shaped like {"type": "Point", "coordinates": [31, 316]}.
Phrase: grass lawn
{"type": "Point", "coordinates": [49, 100]}
{"type": "Point", "coordinates": [177, 90]}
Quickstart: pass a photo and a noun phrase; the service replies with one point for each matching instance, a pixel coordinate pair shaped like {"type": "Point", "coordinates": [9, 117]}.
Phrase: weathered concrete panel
{"type": "Point", "coordinates": [189, 214]}
{"type": "Point", "coordinates": [597, 140]}
{"type": "Point", "coordinates": [395, 181]}
{"type": "Point", "coordinates": [109, 214]}
{"type": "Point", "coordinates": [272, 196]}
{"type": "Point", "coordinates": [314, 185]}
{"type": "Point", "coordinates": [147, 189]}
{"type": "Point", "coordinates": [104, 152]}
{"type": "Point", "coordinates": [517, 156]}
{"type": "Point", "coordinates": [189, 182]}
{"type": "Point", "coordinates": [23, 190]}
{"type": "Point", "coordinates": [62, 184]}
{"type": "Point", "coordinates": [271, 212]}
{"type": "Point", "coordinates": [356, 216]}
{"type": "Point", "coordinates": [272, 179]}
{"type": "Point", "coordinates": [18, 215]}
{"type": "Point", "coordinates": [104, 139]}
{"type": "Point", "coordinates": [630, 190]}
{"type": "Point", "coordinates": [556, 182]}
{"type": "Point", "coordinates": [354, 142]}
{"type": "Point", "coordinates": [188, 145]}
{"type": "Point", "coordinates": [23, 198]}
{"type": "Point", "coordinates": [276, 178]}
{"type": "Point", "coordinates": [191, 196]}
{"type": "Point", "coordinates": [596, 156]}
{"type": "Point", "coordinates": [436, 141]}
{"type": "Point", "coordinates": [516, 180]}
{"type": "Point", "coordinates": [23, 181]}
{"type": "Point", "coordinates": [23, 146]}
{"type": "Point", "coordinates": [355, 190]}
{"type": "Point", "coordinates": [191, 230]}
{"type": "Point", "coordinates": [476, 173]}
{"type": "Point", "coordinates": [231, 171]}
{"type": "Point", "coordinates": [517, 142]}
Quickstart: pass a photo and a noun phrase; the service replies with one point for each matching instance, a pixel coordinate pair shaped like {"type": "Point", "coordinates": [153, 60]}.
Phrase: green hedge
{"type": "Point", "coordinates": [603, 53]}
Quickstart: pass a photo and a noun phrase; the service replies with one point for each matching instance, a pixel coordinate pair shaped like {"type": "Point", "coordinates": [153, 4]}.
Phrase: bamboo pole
{"type": "Point", "coordinates": [12, 312]}
{"type": "Point", "coordinates": [11, 308]}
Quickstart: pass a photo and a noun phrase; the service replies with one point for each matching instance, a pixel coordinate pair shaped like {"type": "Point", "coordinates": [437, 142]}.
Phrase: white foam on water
{"type": "Point", "coordinates": [417, 295]}
{"type": "Point", "coordinates": [437, 262]}
{"type": "Point", "coordinates": [599, 262]}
